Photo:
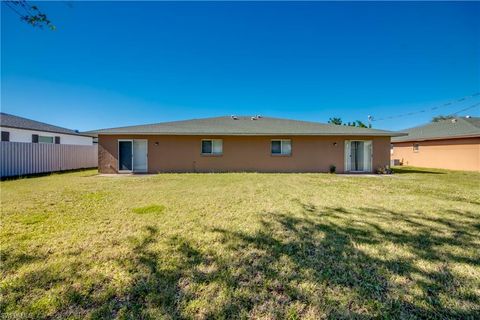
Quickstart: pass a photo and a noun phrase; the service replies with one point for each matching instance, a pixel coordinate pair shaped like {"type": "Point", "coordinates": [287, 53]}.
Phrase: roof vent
{"type": "Point", "coordinates": [234, 117]}
{"type": "Point", "coordinates": [454, 120]}
{"type": "Point", "coordinates": [258, 116]}
{"type": "Point", "coordinates": [253, 118]}
{"type": "Point", "coordinates": [468, 117]}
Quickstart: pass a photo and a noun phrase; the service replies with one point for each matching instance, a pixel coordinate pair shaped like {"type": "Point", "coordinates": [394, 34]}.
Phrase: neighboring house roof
{"type": "Point", "coordinates": [243, 125]}
{"type": "Point", "coordinates": [11, 121]}
{"type": "Point", "coordinates": [458, 127]}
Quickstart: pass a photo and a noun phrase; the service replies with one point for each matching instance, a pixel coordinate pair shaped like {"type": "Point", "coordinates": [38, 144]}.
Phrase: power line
{"type": "Point", "coordinates": [446, 104]}
{"type": "Point", "coordinates": [465, 109]}
{"type": "Point", "coordinates": [26, 7]}
{"type": "Point", "coordinates": [32, 15]}
{"type": "Point", "coordinates": [13, 9]}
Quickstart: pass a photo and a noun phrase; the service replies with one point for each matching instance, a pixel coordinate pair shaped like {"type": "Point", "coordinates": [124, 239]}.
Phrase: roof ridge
{"type": "Point", "coordinates": [224, 125]}
{"type": "Point", "coordinates": [156, 123]}
{"type": "Point", "coordinates": [447, 128]}
{"type": "Point", "coordinates": [470, 123]}
{"type": "Point", "coordinates": [431, 123]}
{"type": "Point", "coordinates": [36, 122]}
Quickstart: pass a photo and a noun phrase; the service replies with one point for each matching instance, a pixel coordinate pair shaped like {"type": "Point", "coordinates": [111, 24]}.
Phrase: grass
{"type": "Point", "coordinates": [152, 209]}
{"type": "Point", "coordinates": [238, 245]}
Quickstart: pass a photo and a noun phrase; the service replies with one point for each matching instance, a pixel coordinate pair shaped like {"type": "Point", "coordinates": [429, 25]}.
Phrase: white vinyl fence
{"type": "Point", "coordinates": [18, 158]}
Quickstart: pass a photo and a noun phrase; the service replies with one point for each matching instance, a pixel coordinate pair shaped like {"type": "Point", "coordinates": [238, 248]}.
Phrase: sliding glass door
{"type": "Point", "coordinates": [133, 155]}
{"type": "Point", "coordinates": [358, 156]}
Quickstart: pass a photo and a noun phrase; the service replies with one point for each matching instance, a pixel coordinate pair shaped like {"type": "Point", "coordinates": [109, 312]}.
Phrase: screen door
{"type": "Point", "coordinates": [139, 155]}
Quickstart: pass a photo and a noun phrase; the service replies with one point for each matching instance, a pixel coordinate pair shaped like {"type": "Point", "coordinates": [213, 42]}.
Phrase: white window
{"type": "Point", "coordinates": [44, 139]}
{"type": "Point", "coordinates": [281, 147]}
{"type": "Point", "coordinates": [212, 146]}
{"type": "Point", "coordinates": [415, 147]}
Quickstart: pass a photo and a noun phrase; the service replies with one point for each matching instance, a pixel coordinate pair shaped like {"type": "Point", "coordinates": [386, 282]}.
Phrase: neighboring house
{"type": "Point", "coordinates": [448, 144]}
{"type": "Point", "coordinates": [32, 147]}
{"type": "Point", "coordinates": [234, 143]}
{"type": "Point", "coordinates": [18, 129]}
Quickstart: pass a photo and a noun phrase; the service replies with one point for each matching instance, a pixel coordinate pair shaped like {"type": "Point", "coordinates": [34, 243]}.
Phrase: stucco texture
{"type": "Point", "coordinates": [453, 154]}
{"type": "Point", "coordinates": [240, 153]}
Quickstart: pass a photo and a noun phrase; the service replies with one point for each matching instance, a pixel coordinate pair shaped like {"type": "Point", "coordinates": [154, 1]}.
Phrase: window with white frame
{"type": "Point", "coordinates": [281, 147]}
{"type": "Point", "coordinates": [45, 139]}
{"type": "Point", "coordinates": [212, 146]}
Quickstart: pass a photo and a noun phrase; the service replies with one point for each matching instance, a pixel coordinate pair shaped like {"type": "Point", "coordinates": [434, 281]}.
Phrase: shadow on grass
{"type": "Point", "coordinates": [314, 265]}
{"type": "Point", "coordinates": [334, 263]}
{"type": "Point", "coordinates": [45, 174]}
{"type": "Point", "coordinates": [400, 170]}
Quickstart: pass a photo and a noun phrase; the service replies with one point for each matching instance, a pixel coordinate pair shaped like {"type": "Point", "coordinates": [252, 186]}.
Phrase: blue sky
{"type": "Point", "coordinates": [121, 63]}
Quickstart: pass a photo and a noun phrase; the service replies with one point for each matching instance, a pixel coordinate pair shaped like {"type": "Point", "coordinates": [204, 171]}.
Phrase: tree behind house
{"type": "Point", "coordinates": [357, 123]}
{"type": "Point", "coordinates": [441, 117]}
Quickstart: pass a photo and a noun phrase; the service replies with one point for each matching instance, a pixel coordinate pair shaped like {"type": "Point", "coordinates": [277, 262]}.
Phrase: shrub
{"type": "Point", "coordinates": [332, 169]}
{"type": "Point", "coordinates": [384, 170]}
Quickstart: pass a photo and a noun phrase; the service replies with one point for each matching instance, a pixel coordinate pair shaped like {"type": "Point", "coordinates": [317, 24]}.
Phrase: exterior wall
{"type": "Point", "coordinates": [454, 154]}
{"type": "Point", "coordinates": [22, 135]}
{"type": "Point", "coordinates": [240, 153]}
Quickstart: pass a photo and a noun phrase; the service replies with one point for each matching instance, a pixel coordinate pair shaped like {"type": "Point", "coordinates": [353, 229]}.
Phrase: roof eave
{"type": "Point", "coordinates": [438, 138]}
{"type": "Point", "coordinates": [376, 134]}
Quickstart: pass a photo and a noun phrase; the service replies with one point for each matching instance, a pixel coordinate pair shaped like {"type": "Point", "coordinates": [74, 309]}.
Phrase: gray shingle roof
{"type": "Point", "coordinates": [244, 125]}
{"type": "Point", "coordinates": [11, 121]}
{"type": "Point", "coordinates": [452, 128]}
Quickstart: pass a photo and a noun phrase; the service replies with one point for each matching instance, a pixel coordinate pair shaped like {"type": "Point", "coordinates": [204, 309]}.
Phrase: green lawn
{"type": "Point", "coordinates": [242, 245]}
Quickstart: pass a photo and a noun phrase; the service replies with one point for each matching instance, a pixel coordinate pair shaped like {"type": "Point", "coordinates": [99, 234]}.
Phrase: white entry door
{"type": "Point", "coordinates": [358, 156]}
{"type": "Point", "coordinates": [140, 155]}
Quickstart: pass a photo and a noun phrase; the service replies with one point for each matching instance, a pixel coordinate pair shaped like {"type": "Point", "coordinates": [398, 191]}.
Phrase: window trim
{"type": "Point", "coordinates": [211, 154]}
{"type": "Point", "coordinates": [416, 147]}
{"type": "Point", "coordinates": [281, 154]}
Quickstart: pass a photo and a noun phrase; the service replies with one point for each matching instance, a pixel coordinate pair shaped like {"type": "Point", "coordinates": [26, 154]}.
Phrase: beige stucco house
{"type": "Point", "coordinates": [448, 144]}
{"type": "Point", "coordinates": [234, 143]}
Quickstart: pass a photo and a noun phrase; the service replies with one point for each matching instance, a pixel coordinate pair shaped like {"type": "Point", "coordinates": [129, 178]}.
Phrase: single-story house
{"type": "Point", "coordinates": [447, 144]}
{"type": "Point", "coordinates": [33, 147]}
{"type": "Point", "coordinates": [18, 129]}
{"type": "Point", "coordinates": [241, 143]}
